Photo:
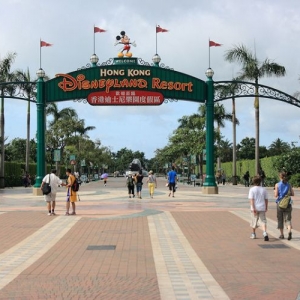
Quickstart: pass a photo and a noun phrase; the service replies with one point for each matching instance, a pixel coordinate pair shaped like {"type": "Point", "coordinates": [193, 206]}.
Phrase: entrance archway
{"type": "Point", "coordinates": [126, 82]}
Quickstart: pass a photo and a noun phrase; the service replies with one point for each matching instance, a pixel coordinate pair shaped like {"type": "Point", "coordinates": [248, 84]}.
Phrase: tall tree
{"type": "Point", "coordinates": [220, 116]}
{"type": "Point", "coordinates": [246, 149]}
{"type": "Point", "coordinates": [230, 89]}
{"type": "Point", "coordinates": [253, 69]}
{"type": "Point", "coordinates": [278, 147]}
{"type": "Point", "coordinates": [65, 113]}
{"type": "Point", "coordinates": [29, 90]}
{"type": "Point", "coordinates": [6, 75]}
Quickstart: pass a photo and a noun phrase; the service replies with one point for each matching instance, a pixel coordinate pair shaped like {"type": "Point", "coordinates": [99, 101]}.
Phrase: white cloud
{"type": "Point", "coordinates": [271, 28]}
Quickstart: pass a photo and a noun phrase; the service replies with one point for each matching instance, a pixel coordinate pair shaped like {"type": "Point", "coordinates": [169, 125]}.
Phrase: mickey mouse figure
{"type": "Point", "coordinates": [125, 41]}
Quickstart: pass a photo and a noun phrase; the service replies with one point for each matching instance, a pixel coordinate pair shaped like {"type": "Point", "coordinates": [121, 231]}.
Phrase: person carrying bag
{"type": "Point", "coordinates": [283, 192]}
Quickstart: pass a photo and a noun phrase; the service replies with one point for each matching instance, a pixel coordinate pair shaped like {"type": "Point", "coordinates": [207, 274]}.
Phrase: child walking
{"type": "Point", "coordinates": [258, 197]}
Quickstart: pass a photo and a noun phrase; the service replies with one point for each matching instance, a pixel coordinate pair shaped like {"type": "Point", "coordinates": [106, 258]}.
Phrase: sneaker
{"type": "Point", "coordinates": [253, 236]}
{"type": "Point", "coordinates": [266, 238]}
{"type": "Point", "coordinates": [281, 236]}
{"type": "Point", "coordinates": [290, 236]}
{"type": "Point", "coordinates": [49, 214]}
{"type": "Point", "coordinates": [53, 213]}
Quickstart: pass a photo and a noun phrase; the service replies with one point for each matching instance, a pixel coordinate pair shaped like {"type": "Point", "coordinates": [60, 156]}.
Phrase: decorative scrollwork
{"type": "Point", "coordinates": [237, 89]}
{"type": "Point", "coordinates": [109, 62]}
{"type": "Point", "coordinates": [19, 90]}
{"type": "Point", "coordinates": [162, 65]}
{"type": "Point", "coordinates": [87, 66]}
{"type": "Point", "coordinates": [83, 100]}
{"type": "Point", "coordinates": [170, 100]}
{"type": "Point", "coordinates": [142, 62]}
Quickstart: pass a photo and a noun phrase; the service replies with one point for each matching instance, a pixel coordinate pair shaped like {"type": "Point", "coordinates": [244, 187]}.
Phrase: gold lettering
{"type": "Point", "coordinates": [109, 84]}
{"type": "Point", "coordinates": [68, 83]}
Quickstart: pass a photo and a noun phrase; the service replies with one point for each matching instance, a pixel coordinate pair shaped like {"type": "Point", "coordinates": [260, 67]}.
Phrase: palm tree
{"type": "Point", "coordinates": [279, 147]}
{"type": "Point", "coordinates": [82, 130]}
{"type": "Point", "coordinates": [5, 76]}
{"type": "Point", "coordinates": [65, 113]}
{"type": "Point", "coordinates": [253, 69]}
{"type": "Point", "coordinates": [220, 116]}
{"type": "Point", "coordinates": [29, 90]}
{"type": "Point", "coordinates": [230, 89]}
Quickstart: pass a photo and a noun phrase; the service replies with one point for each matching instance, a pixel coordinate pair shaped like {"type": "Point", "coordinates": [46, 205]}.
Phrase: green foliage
{"type": "Point", "coordinates": [289, 161]}
{"type": "Point", "coordinates": [295, 180]}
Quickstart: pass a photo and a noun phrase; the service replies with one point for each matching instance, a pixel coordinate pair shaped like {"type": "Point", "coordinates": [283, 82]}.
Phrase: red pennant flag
{"type": "Point", "coordinates": [159, 29]}
{"type": "Point", "coordinates": [213, 44]}
{"type": "Point", "coordinates": [44, 44]}
{"type": "Point", "coordinates": [97, 29]}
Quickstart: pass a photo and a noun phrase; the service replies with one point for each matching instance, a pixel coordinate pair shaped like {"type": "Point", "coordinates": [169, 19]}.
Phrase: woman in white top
{"type": "Point", "coordinates": [151, 183]}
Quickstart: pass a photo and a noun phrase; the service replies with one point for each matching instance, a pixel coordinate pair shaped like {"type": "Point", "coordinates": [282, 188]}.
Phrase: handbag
{"type": "Point", "coordinates": [46, 188]}
{"type": "Point", "coordinates": [285, 201]}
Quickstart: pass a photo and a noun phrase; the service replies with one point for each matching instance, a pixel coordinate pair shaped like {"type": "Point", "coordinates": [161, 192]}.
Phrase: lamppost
{"type": "Point", "coordinates": [40, 103]}
{"type": "Point", "coordinates": [209, 186]}
{"type": "Point", "coordinates": [94, 60]}
{"type": "Point", "coordinates": [156, 60]}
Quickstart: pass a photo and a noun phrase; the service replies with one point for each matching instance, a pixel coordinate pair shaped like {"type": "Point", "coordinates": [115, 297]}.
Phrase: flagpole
{"type": "Point", "coordinates": [209, 53]}
{"type": "Point", "coordinates": [40, 54]}
{"type": "Point", "coordinates": [156, 40]}
{"type": "Point", "coordinates": [94, 38]}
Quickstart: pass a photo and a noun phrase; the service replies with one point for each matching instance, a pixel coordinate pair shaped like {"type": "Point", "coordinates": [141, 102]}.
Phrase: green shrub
{"type": "Point", "coordinates": [295, 180]}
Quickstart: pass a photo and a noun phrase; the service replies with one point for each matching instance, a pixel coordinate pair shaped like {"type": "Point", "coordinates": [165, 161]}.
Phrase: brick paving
{"type": "Point", "coordinates": [108, 251]}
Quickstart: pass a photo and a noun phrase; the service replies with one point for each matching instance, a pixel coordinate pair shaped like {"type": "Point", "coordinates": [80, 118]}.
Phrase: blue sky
{"type": "Point", "coordinates": [270, 28]}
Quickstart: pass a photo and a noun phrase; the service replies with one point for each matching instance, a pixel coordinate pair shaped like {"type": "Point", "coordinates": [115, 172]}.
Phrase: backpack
{"type": "Point", "coordinates": [75, 185]}
{"type": "Point", "coordinates": [130, 181]}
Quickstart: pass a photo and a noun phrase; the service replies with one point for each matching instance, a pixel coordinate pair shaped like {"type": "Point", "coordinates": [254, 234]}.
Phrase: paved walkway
{"type": "Point", "coordinates": [193, 246]}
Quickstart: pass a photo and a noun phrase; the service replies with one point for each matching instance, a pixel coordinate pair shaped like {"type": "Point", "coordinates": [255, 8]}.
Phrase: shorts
{"type": "Point", "coordinates": [50, 197]}
{"type": "Point", "coordinates": [172, 186]}
{"type": "Point", "coordinates": [260, 215]}
{"type": "Point", "coordinates": [138, 187]}
{"type": "Point", "coordinates": [284, 215]}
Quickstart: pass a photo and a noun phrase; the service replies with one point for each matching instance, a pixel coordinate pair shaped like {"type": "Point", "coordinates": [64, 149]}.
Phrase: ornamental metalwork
{"type": "Point", "coordinates": [237, 89]}
{"type": "Point", "coordinates": [18, 90]}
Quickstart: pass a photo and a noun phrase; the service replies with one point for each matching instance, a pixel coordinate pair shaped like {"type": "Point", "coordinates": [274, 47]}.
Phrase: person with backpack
{"type": "Point", "coordinates": [50, 198]}
{"type": "Point", "coordinates": [284, 214]}
{"type": "Point", "coordinates": [71, 193]}
{"type": "Point", "coordinates": [130, 186]}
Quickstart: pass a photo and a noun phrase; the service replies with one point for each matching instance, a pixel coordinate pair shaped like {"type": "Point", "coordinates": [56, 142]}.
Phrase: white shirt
{"type": "Point", "coordinates": [54, 182]}
{"type": "Point", "coordinates": [259, 194]}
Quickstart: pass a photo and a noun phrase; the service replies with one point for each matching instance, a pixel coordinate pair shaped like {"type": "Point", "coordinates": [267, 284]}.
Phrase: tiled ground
{"type": "Point", "coordinates": [193, 246]}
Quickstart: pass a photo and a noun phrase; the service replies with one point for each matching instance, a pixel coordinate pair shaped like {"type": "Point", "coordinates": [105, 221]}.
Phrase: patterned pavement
{"type": "Point", "coordinates": [192, 246]}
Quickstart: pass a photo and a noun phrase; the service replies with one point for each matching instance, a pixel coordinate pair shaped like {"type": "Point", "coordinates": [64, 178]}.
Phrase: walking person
{"type": "Point", "coordinates": [284, 215]}
{"type": "Point", "coordinates": [246, 178]}
{"type": "Point", "coordinates": [71, 195]}
{"type": "Point", "coordinates": [258, 197]}
{"type": "Point", "coordinates": [50, 198]}
{"type": "Point", "coordinates": [130, 186]}
{"type": "Point", "coordinates": [223, 176]}
{"type": "Point", "coordinates": [152, 183]}
{"type": "Point", "coordinates": [172, 178]}
{"type": "Point", "coordinates": [139, 184]}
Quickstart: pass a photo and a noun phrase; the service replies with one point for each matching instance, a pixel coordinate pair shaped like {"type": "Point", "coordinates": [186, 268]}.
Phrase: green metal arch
{"type": "Point", "coordinates": [19, 93]}
{"type": "Point", "coordinates": [240, 89]}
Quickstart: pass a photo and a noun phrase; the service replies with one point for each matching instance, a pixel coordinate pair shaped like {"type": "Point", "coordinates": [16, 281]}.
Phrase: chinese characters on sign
{"type": "Point", "coordinates": [128, 97]}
